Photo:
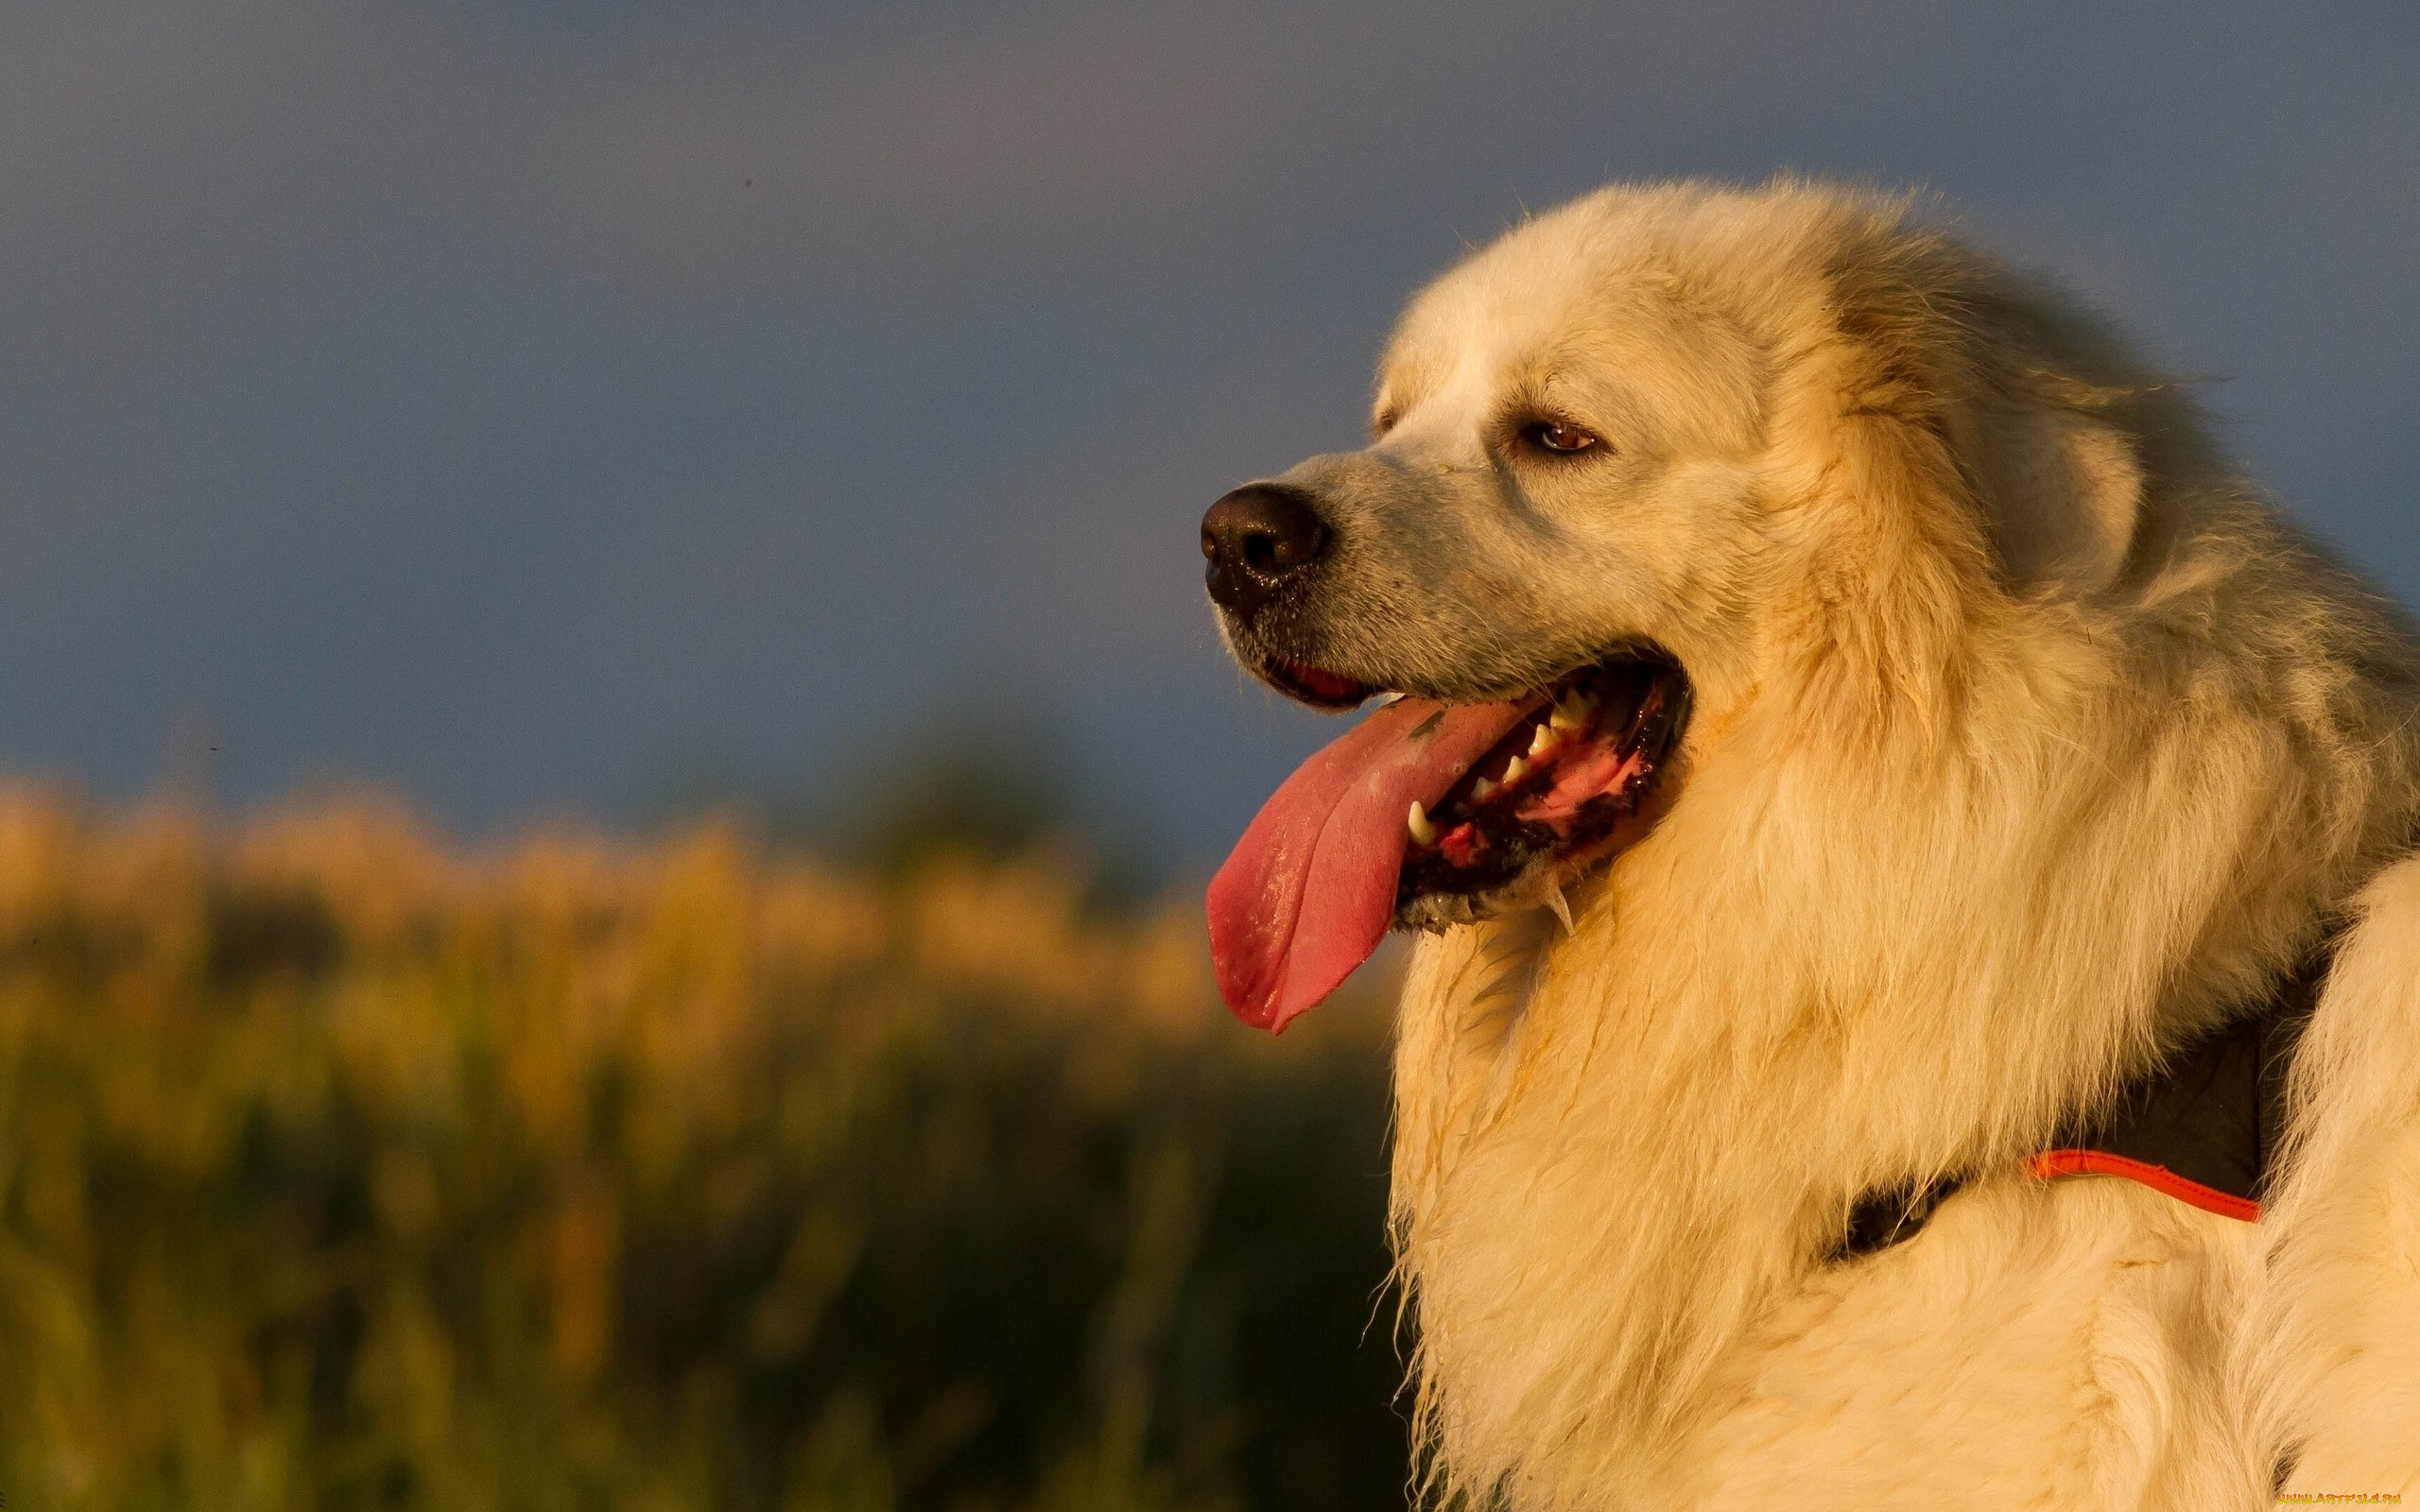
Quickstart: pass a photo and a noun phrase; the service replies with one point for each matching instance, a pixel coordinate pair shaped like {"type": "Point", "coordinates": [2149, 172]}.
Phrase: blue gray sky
{"type": "Point", "coordinates": [524, 406]}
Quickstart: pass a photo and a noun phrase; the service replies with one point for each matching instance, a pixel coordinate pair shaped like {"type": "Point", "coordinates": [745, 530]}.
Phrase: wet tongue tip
{"type": "Point", "coordinates": [1292, 921]}
{"type": "Point", "coordinates": [1268, 986]}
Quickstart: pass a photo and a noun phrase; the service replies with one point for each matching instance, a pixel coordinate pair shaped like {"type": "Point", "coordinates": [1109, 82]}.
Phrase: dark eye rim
{"type": "Point", "coordinates": [1538, 436]}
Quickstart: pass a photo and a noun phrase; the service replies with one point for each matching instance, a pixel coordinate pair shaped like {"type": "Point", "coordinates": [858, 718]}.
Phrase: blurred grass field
{"type": "Point", "coordinates": [344, 1167]}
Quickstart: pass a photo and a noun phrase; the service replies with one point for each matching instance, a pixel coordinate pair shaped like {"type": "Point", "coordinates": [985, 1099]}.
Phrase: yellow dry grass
{"type": "Point", "coordinates": [342, 1166]}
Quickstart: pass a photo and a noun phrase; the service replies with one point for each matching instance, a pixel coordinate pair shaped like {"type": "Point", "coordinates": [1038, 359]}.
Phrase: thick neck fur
{"type": "Point", "coordinates": [1867, 947]}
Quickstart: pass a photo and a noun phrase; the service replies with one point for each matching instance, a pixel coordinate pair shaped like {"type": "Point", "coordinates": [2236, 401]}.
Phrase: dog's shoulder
{"type": "Point", "coordinates": [2330, 1357]}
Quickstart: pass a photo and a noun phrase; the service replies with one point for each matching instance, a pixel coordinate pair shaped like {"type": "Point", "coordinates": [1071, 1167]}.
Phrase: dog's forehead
{"type": "Point", "coordinates": [1597, 330]}
{"type": "Point", "coordinates": [1557, 294]}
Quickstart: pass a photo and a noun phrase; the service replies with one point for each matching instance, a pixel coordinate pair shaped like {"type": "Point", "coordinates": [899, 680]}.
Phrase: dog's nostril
{"type": "Point", "coordinates": [1264, 526]}
{"type": "Point", "coordinates": [1256, 537]}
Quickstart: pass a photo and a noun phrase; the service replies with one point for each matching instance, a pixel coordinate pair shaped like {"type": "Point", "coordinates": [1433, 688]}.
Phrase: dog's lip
{"type": "Point", "coordinates": [1337, 692]}
{"type": "Point", "coordinates": [1316, 686]}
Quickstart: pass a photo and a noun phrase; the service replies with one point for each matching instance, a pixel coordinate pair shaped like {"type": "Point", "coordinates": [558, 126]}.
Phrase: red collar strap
{"type": "Point", "coordinates": [2202, 1127]}
{"type": "Point", "coordinates": [2205, 1127]}
{"type": "Point", "coordinates": [2052, 1163]}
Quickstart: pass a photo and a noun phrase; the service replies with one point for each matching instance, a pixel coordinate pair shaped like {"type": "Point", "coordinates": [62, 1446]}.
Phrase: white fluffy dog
{"type": "Point", "coordinates": [1852, 734]}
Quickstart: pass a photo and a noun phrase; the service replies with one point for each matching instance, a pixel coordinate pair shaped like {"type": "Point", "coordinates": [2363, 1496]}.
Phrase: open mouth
{"type": "Point", "coordinates": [1561, 788]}
{"type": "Point", "coordinates": [1430, 814]}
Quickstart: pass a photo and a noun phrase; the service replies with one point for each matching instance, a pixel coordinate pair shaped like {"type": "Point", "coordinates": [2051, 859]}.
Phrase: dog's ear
{"type": "Point", "coordinates": [2060, 488]}
{"type": "Point", "coordinates": [1969, 434]}
{"type": "Point", "coordinates": [1998, 393]}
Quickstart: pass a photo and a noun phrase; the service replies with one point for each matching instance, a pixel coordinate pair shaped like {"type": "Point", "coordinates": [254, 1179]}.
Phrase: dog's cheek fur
{"type": "Point", "coordinates": [1698, 574]}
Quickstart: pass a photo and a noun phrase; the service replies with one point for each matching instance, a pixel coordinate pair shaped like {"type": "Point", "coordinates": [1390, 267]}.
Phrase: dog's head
{"type": "Point", "coordinates": [1644, 465]}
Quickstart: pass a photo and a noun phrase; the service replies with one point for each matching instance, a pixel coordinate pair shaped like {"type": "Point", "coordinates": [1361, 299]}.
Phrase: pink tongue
{"type": "Point", "coordinates": [1310, 888]}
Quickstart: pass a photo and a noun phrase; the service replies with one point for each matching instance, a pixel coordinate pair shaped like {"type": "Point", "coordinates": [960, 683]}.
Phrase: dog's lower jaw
{"type": "Point", "coordinates": [1541, 885]}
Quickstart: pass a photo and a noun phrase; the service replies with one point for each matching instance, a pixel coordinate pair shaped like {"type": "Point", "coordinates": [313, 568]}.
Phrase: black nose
{"type": "Point", "coordinates": [1256, 537]}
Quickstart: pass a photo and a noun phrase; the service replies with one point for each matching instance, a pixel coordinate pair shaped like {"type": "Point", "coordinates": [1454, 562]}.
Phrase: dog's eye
{"type": "Point", "coordinates": [1556, 436]}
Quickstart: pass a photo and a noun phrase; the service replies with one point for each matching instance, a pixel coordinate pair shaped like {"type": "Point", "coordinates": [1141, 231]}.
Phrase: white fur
{"type": "Point", "coordinates": [2332, 1358]}
{"type": "Point", "coordinates": [2029, 742]}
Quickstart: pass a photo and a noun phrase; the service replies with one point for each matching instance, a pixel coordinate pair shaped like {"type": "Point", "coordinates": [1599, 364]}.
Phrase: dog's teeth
{"type": "Point", "coordinates": [1573, 710]}
{"type": "Point", "coordinates": [1420, 828]}
{"type": "Point", "coordinates": [1543, 741]}
{"type": "Point", "coordinates": [1561, 905]}
{"type": "Point", "coordinates": [1515, 770]}
{"type": "Point", "coordinates": [1482, 789]}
